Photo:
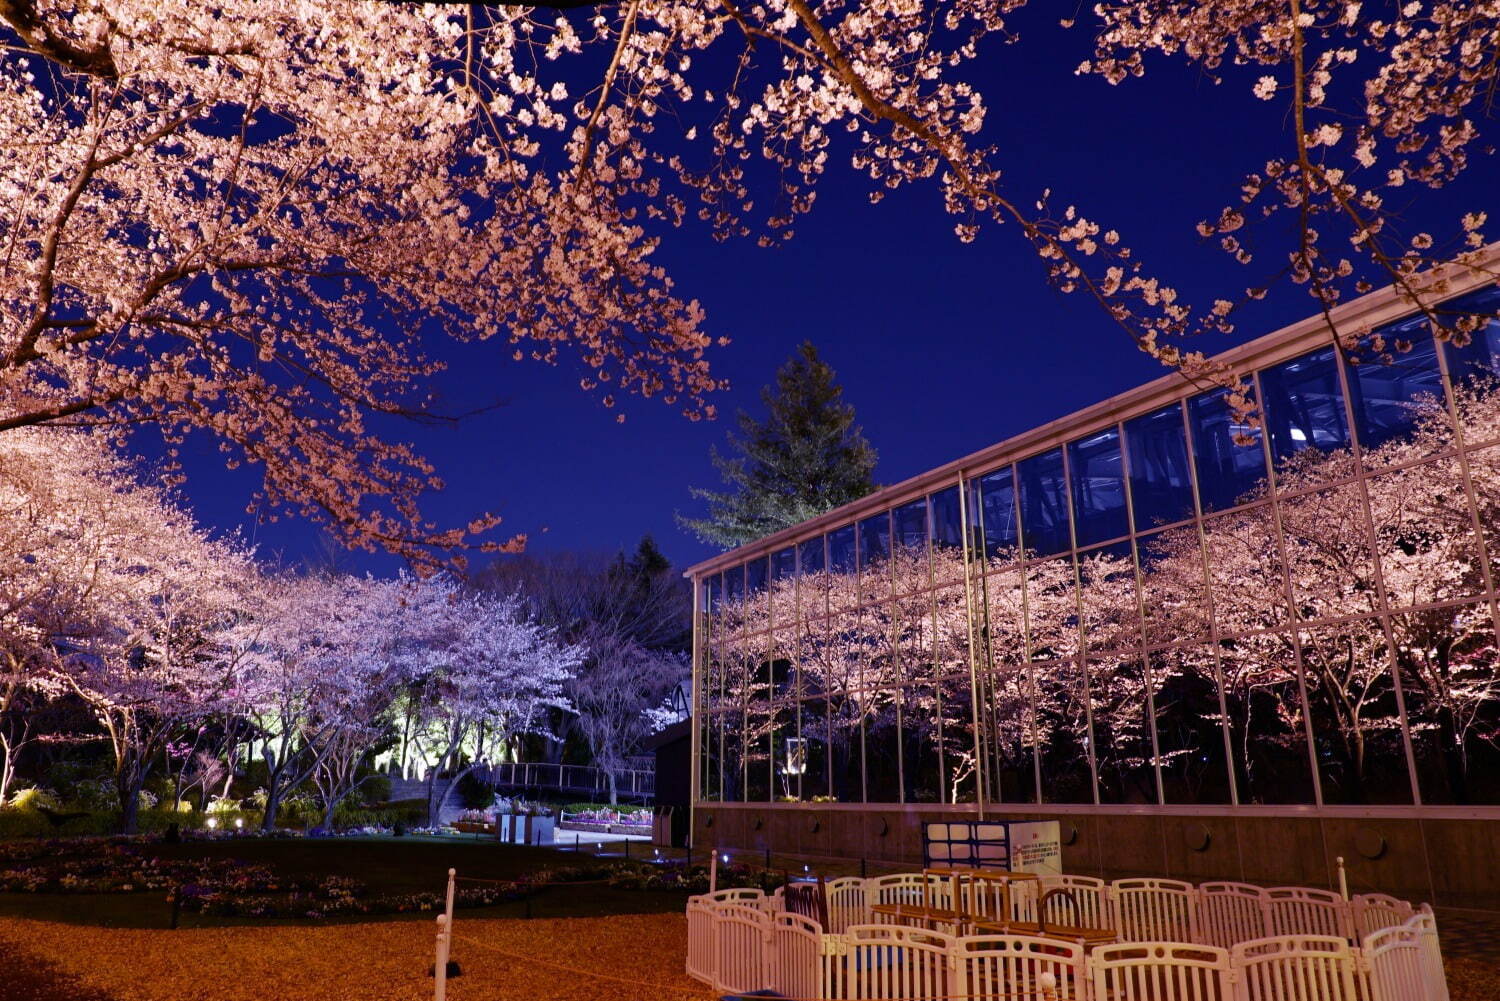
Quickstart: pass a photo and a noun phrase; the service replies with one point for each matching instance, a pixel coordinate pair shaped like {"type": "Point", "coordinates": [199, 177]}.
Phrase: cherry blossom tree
{"type": "Point", "coordinates": [483, 673]}
{"type": "Point", "coordinates": [236, 220]}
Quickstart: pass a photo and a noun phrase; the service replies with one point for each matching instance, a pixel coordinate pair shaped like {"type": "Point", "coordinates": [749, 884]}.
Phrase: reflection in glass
{"type": "Point", "coordinates": [1122, 735]}
{"type": "Point", "coordinates": [1479, 358]}
{"type": "Point", "coordinates": [1450, 677]}
{"type": "Point", "coordinates": [1304, 405]}
{"type": "Point", "coordinates": [1245, 570]}
{"type": "Point", "coordinates": [1175, 592]}
{"type": "Point", "coordinates": [1044, 503]}
{"type": "Point", "coordinates": [910, 525]}
{"type": "Point", "coordinates": [1097, 475]}
{"type": "Point", "coordinates": [734, 583]}
{"type": "Point", "coordinates": [1360, 750]}
{"type": "Point", "coordinates": [922, 732]}
{"type": "Point", "coordinates": [883, 714]}
{"type": "Point", "coordinates": [841, 553]}
{"type": "Point", "coordinates": [1161, 485]}
{"type": "Point", "coordinates": [1190, 726]}
{"type": "Point", "coordinates": [784, 564]}
{"type": "Point", "coordinates": [960, 761]}
{"type": "Point", "coordinates": [1328, 551]}
{"type": "Point", "coordinates": [1227, 452]}
{"type": "Point", "coordinates": [1390, 374]}
{"type": "Point", "coordinates": [1063, 732]}
{"type": "Point", "coordinates": [997, 501]}
{"type": "Point", "coordinates": [1267, 722]}
{"type": "Point", "coordinates": [1425, 535]}
{"type": "Point", "coordinates": [811, 556]}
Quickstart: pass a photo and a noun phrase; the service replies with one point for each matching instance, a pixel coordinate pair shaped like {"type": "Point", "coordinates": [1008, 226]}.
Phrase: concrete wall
{"type": "Point", "coordinates": [1445, 860]}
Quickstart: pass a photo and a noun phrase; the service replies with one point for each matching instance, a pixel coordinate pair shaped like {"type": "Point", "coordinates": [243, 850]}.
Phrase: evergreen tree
{"type": "Point", "coordinates": [806, 457]}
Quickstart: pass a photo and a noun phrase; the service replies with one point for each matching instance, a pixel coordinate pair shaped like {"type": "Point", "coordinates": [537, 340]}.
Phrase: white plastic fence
{"type": "Point", "coordinates": [1154, 910]}
{"type": "Point", "coordinates": [739, 942]}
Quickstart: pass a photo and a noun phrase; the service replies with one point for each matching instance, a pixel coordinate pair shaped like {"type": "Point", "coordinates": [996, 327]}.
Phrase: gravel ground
{"type": "Point", "coordinates": [638, 957]}
{"type": "Point", "coordinates": [633, 957]}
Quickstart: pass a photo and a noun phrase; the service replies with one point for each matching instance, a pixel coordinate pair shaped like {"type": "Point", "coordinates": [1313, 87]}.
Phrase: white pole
{"type": "Point", "coordinates": [713, 871]}
{"type": "Point", "coordinates": [448, 906]}
{"type": "Point", "coordinates": [1343, 879]}
{"type": "Point", "coordinates": [440, 968]}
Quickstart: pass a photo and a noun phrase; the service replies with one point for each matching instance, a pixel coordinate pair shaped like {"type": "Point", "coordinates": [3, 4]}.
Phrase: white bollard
{"type": "Point", "coordinates": [448, 905]}
{"type": "Point", "coordinates": [1343, 879]}
{"type": "Point", "coordinates": [713, 871]}
{"type": "Point", "coordinates": [440, 968]}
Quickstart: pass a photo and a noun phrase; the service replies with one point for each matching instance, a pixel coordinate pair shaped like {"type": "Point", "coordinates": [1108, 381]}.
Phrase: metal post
{"type": "Point", "coordinates": [448, 903]}
{"type": "Point", "coordinates": [440, 967]}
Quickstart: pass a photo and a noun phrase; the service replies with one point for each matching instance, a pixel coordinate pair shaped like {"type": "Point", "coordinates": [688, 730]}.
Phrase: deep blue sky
{"type": "Point", "coordinates": [942, 347]}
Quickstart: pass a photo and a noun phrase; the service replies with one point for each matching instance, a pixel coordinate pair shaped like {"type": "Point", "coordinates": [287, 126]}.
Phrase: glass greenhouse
{"type": "Point", "coordinates": [1145, 604]}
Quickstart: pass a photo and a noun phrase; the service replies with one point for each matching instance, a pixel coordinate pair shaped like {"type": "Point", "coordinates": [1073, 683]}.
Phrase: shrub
{"type": "Point", "coordinates": [474, 793]}
{"type": "Point", "coordinates": [376, 789]}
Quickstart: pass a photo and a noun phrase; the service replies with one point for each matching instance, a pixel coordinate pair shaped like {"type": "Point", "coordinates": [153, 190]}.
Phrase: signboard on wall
{"type": "Point", "coordinates": [1033, 846]}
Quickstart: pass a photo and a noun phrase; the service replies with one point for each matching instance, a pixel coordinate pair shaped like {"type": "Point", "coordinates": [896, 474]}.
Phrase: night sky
{"type": "Point", "coordinates": [943, 348]}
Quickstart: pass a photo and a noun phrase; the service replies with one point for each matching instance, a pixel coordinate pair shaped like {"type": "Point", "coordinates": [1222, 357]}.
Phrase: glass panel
{"type": "Point", "coordinates": [759, 730]}
{"type": "Point", "coordinates": [1189, 726]}
{"type": "Point", "coordinates": [998, 507]}
{"type": "Point", "coordinates": [910, 525]}
{"type": "Point", "coordinates": [788, 753]}
{"type": "Point", "coordinates": [1267, 725]}
{"type": "Point", "coordinates": [874, 557]}
{"type": "Point", "coordinates": [734, 584]}
{"type": "Point", "coordinates": [1361, 753]}
{"type": "Point", "coordinates": [784, 564]}
{"type": "Point", "coordinates": [1393, 378]}
{"type": "Point", "coordinates": [1044, 504]}
{"type": "Point", "coordinates": [1230, 461]}
{"type": "Point", "coordinates": [1328, 549]}
{"type": "Point", "coordinates": [1175, 596]}
{"type": "Point", "coordinates": [947, 536]}
{"type": "Point", "coordinates": [1304, 405]}
{"type": "Point", "coordinates": [1484, 475]}
{"type": "Point", "coordinates": [1063, 731]}
{"type": "Point", "coordinates": [1244, 570]}
{"type": "Point", "coordinates": [1051, 609]}
{"type": "Point", "coordinates": [1122, 741]}
{"type": "Point", "coordinates": [1161, 484]}
{"type": "Point", "coordinates": [844, 586]}
{"type": "Point", "coordinates": [874, 539]}
{"type": "Point", "coordinates": [1107, 600]}
{"type": "Point", "coordinates": [1009, 725]}
{"type": "Point", "coordinates": [921, 734]}
{"type": "Point", "coordinates": [841, 550]}
{"type": "Point", "coordinates": [883, 746]}
{"type": "Point", "coordinates": [1479, 357]}
{"type": "Point", "coordinates": [815, 781]}
{"type": "Point", "coordinates": [732, 788]}
{"type": "Point", "coordinates": [811, 556]}
{"type": "Point", "coordinates": [958, 748]}
{"type": "Point", "coordinates": [1425, 535]}
{"type": "Point", "coordinates": [1098, 479]}
{"type": "Point", "coordinates": [709, 785]}
{"type": "Point", "coordinates": [1451, 681]}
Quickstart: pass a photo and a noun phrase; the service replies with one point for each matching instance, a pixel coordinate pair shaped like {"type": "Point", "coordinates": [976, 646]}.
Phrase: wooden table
{"type": "Point", "coordinates": [922, 917]}
{"type": "Point", "coordinates": [1087, 937]}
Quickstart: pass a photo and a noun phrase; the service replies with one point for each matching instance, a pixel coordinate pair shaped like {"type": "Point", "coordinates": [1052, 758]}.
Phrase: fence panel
{"type": "Point", "coordinates": [1295, 968]}
{"type": "Point", "coordinates": [1397, 965]}
{"type": "Point", "coordinates": [871, 962]}
{"type": "Point", "coordinates": [900, 888]}
{"type": "Point", "coordinates": [1300, 910]}
{"type": "Point", "coordinates": [700, 939]}
{"type": "Point", "coordinates": [794, 960]}
{"type": "Point", "coordinates": [1373, 911]}
{"type": "Point", "coordinates": [1091, 896]}
{"type": "Point", "coordinates": [1161, 971]}
{"type": "Point", "coordinates": [846, 903]}
{"type": "Point", "coordinates": [1432, 955]}
{"type": "Point", "coordinates": [740, 934]}
{"type": "Point", "coordinates": [1015, 967]}
{"type": "Point", "coordinates": [1232, 912]}
{"type": "Point", "coordinates": [1154, 910]}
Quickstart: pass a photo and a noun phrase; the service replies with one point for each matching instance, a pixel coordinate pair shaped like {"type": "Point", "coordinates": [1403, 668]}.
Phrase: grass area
{"type": "Point", "coordinates": [384, 864]}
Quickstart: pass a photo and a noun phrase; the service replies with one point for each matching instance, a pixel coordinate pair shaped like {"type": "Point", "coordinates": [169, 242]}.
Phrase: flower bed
{"type": "Point", "coordinates": [227, 887]}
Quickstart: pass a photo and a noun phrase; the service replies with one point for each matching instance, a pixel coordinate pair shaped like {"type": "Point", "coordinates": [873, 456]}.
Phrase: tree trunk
{"type": "Point", "coordinates": [128, 783]}
{"type": "Point", "coordinates": [273, 804]}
